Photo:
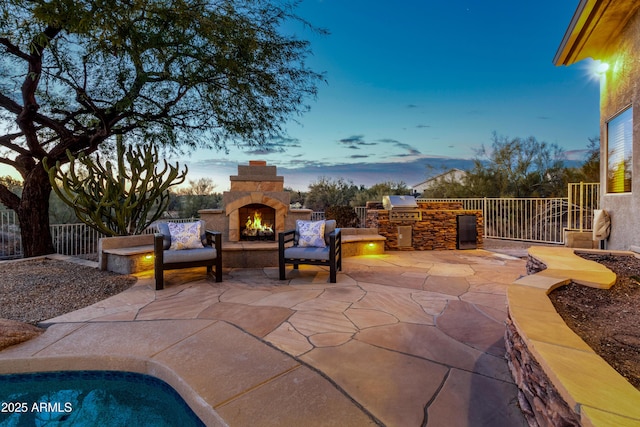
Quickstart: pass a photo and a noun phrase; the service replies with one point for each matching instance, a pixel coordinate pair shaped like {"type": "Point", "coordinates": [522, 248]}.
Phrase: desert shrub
{"type": "Point", "coordinates": [345, 216]}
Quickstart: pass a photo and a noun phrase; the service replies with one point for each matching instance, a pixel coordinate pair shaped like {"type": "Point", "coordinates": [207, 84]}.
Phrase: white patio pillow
{"type": "Point", "coordinates": [310, 234]}
{"type": "Point", "coordinates": [185, 235]}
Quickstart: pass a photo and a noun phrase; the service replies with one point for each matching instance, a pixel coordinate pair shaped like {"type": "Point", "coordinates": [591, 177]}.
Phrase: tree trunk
{"type": "Point", "coordinates": [33, 214]}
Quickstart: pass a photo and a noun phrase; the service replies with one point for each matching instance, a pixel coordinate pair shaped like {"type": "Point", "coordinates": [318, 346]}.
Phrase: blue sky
{"type": "Point", "coordinates": [412, 83]}
{"type": "Point", "coordinates": [417, 82]}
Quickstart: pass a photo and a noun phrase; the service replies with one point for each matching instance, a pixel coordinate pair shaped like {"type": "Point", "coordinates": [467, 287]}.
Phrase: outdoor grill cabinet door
{"type": "Point", "coordinates": [467, 232]}
{"type": "Point", "coordinates": [404, 236]}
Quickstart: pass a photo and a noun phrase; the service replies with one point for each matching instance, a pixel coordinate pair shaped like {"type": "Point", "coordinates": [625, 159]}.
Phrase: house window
{"type": "Point", "coordinates": [619, 159]}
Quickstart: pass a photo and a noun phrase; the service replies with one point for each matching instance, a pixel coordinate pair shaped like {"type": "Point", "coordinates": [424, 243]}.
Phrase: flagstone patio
{"type": "Point", "coordinates": [402, 339]}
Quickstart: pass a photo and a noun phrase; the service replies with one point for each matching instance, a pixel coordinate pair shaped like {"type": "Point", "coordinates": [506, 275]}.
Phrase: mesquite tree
{"type": "Point", "coordinates": [178, 73]}
{"type": "Point", "coordinates": [120, 200]}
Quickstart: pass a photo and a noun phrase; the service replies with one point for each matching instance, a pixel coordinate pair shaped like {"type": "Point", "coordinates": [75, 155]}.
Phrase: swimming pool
{"type": "Point", "coordinates": [91, 398]}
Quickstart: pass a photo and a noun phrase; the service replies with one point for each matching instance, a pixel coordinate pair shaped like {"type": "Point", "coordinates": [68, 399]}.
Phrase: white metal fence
{"type": "Point", "coordinates": [317, 216]}
{"type": "Point", "coordinates": [10, 245]}
{"type": "Point", "coordinates": [68, 239]}
{"type": "Point", "coordinates": [584, 198]}
{"type": "Point", "coordinates": [525, 219]}
{"type": "Point", "coordinates": [361, 212]}
{"type": "Point", "coordinates": [530, 219]}
{"type": "Point", "coordinates": [535, 219]}
{"type": "Point", "coordinates": [75, 239]}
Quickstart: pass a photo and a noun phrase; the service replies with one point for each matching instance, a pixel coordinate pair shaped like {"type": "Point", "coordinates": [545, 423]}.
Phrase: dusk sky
{"type": "Point", "coordinates": [417, 80]}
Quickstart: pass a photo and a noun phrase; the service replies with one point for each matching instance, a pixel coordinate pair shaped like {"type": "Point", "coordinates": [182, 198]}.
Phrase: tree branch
{"type": "Point", "coordinates": [7, 142]}
{"type": "Point", "coordinates": [29, 87]}
{"type": "Point", "coordinates": [9, 199]}
{"type": "Point", "coordinates": [13, 49]}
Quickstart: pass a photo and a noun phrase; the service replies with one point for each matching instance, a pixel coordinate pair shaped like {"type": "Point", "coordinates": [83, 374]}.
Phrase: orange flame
{"type": "Point", "coordinates": [253, 226]}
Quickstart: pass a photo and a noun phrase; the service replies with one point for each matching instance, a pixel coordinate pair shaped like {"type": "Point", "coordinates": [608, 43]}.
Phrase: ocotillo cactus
{"type": "Point", "coordinates": [117, 202]}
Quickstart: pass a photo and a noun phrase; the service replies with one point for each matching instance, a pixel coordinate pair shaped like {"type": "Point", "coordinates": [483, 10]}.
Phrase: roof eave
{"type": "Point", "coordinates": [574, 37]}
{"type": "Point", "coordinates": [594, 27]}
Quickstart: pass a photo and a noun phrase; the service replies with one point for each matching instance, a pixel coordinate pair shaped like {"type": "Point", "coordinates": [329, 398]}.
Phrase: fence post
{"type": "Point", "coordinates": [581, 205]}
{"type": "Point", "coordinates": [570, 220]}
{"type": "Point", "coordinates": [484, 216]}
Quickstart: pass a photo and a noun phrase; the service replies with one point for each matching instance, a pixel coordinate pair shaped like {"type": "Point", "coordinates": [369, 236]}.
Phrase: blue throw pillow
{"type": "Point", "coordinates": [310, 234]}
{"type": "Point", "coordinates": [185, 235]}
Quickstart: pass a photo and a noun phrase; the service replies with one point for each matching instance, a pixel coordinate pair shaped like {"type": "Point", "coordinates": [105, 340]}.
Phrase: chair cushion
{"type": "Point", "coordinates": [298, 252]}
{"type": "Point", "coordinates": [202, 254]}
{"type": "Point", "coordinates": [163, 228]}
{"type": "Point", "coordinates": [310, 233]}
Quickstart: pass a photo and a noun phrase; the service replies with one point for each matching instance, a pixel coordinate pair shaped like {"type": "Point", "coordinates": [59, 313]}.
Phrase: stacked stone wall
{"type": "Point", "coordinates": [437, 230]}
{"type": "Point", "coordinates": [540, 402]}
{"type": "Point", "coordinates": [449, 206]}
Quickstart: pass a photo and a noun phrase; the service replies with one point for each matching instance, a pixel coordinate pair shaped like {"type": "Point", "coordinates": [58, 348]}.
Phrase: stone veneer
{"type": "Point", "coordinates": [437, 230]}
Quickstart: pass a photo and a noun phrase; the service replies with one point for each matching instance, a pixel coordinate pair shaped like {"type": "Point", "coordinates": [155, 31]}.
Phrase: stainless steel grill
{"type": "Point", "coordinates": [402, 208]}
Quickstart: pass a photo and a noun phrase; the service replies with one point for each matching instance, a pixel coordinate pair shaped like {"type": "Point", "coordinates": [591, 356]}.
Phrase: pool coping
{"type": "Point", "coordinates": [18, 363]}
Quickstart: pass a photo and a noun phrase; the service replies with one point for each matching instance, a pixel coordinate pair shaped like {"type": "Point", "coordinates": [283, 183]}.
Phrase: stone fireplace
{"type": "Point", "coordinates": [255, 209]}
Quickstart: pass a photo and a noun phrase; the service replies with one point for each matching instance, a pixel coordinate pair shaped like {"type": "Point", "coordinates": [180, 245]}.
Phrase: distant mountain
{"type": "Point", "coordinates": [368, 174]}
{"type": "Point", "coordinates": [411, 172]}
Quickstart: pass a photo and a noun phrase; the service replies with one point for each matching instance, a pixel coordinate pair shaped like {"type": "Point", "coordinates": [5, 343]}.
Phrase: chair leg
{"type": "Point", "coordinates": [281, 270]}
{"type": "Point", "coordinates": [332, 273]}
{"type": "Point", "coordinates": [159, 279]}
{"type": "Point", "coordinates": [219, 267]}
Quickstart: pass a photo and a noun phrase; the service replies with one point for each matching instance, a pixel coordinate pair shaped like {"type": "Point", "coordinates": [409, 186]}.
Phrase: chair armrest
{"type": "Point", "coordinates": [214, 238]}
{"type": "Point", "coordinates": [335, 238]}
{"type": "Point", "coordinates": [158, 250]}
{"type": "Point", "coordinates": [285, 237]}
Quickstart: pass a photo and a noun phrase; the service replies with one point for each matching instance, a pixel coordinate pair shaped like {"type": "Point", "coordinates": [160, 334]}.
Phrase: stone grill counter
{"type": "Point", "coordinates": [436, 230]}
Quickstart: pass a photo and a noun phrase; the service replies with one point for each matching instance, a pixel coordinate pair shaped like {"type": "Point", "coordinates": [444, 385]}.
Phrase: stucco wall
{"type": "Point", "coordinates": [620, 88]}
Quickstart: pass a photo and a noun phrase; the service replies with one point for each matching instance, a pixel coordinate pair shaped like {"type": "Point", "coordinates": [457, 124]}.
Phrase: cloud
{"type": "Point", "coordinates": [578, 155]}
{"type": "Point", "coordinates": [265, 150]}
{"type": "Point", "coordinates": [412, 106]}
{"type": "Point", "coordinates": [355, 142]}
{"type": "Point", "coordinates": [423, 126]}
{"type": "Point", "coordinates": [411, 151]}
{"type": "Point", "coordinates": [543, 118]}
{"type": "Point", "coordinates": [359, 156]}
{"type": "Point", "coordinates": [275, 145]}
{"type": "Point", "coordinates": [355, 139]}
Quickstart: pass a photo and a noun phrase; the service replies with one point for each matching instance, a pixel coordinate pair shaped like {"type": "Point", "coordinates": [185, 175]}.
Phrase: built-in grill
{"type": "Point", "coordinates": [402, 208]}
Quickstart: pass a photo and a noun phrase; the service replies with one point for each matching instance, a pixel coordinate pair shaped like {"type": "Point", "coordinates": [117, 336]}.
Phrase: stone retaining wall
{"type": "Point", "coordinates": [540, 402]}
{"type": "Point", "coordinates": [561, 380]}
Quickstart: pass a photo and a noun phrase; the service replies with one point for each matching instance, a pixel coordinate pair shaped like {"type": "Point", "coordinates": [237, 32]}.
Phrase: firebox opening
{"type": "Point", "coordinates": [257, 222]}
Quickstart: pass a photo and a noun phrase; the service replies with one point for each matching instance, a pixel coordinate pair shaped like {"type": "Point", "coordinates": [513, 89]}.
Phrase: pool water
{"type": "Point", "coordinates": [91, 398]}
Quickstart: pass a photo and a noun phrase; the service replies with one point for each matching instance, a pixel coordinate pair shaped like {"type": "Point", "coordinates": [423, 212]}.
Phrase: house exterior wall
{"type": "Point", "coordinates": [619, 89]}
{"type": "Point", "coordinates": [454, 175]}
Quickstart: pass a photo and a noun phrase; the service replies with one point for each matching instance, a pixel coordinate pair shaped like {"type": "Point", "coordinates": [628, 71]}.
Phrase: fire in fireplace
{"type": "Point", "coordinates": [257, 222]}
